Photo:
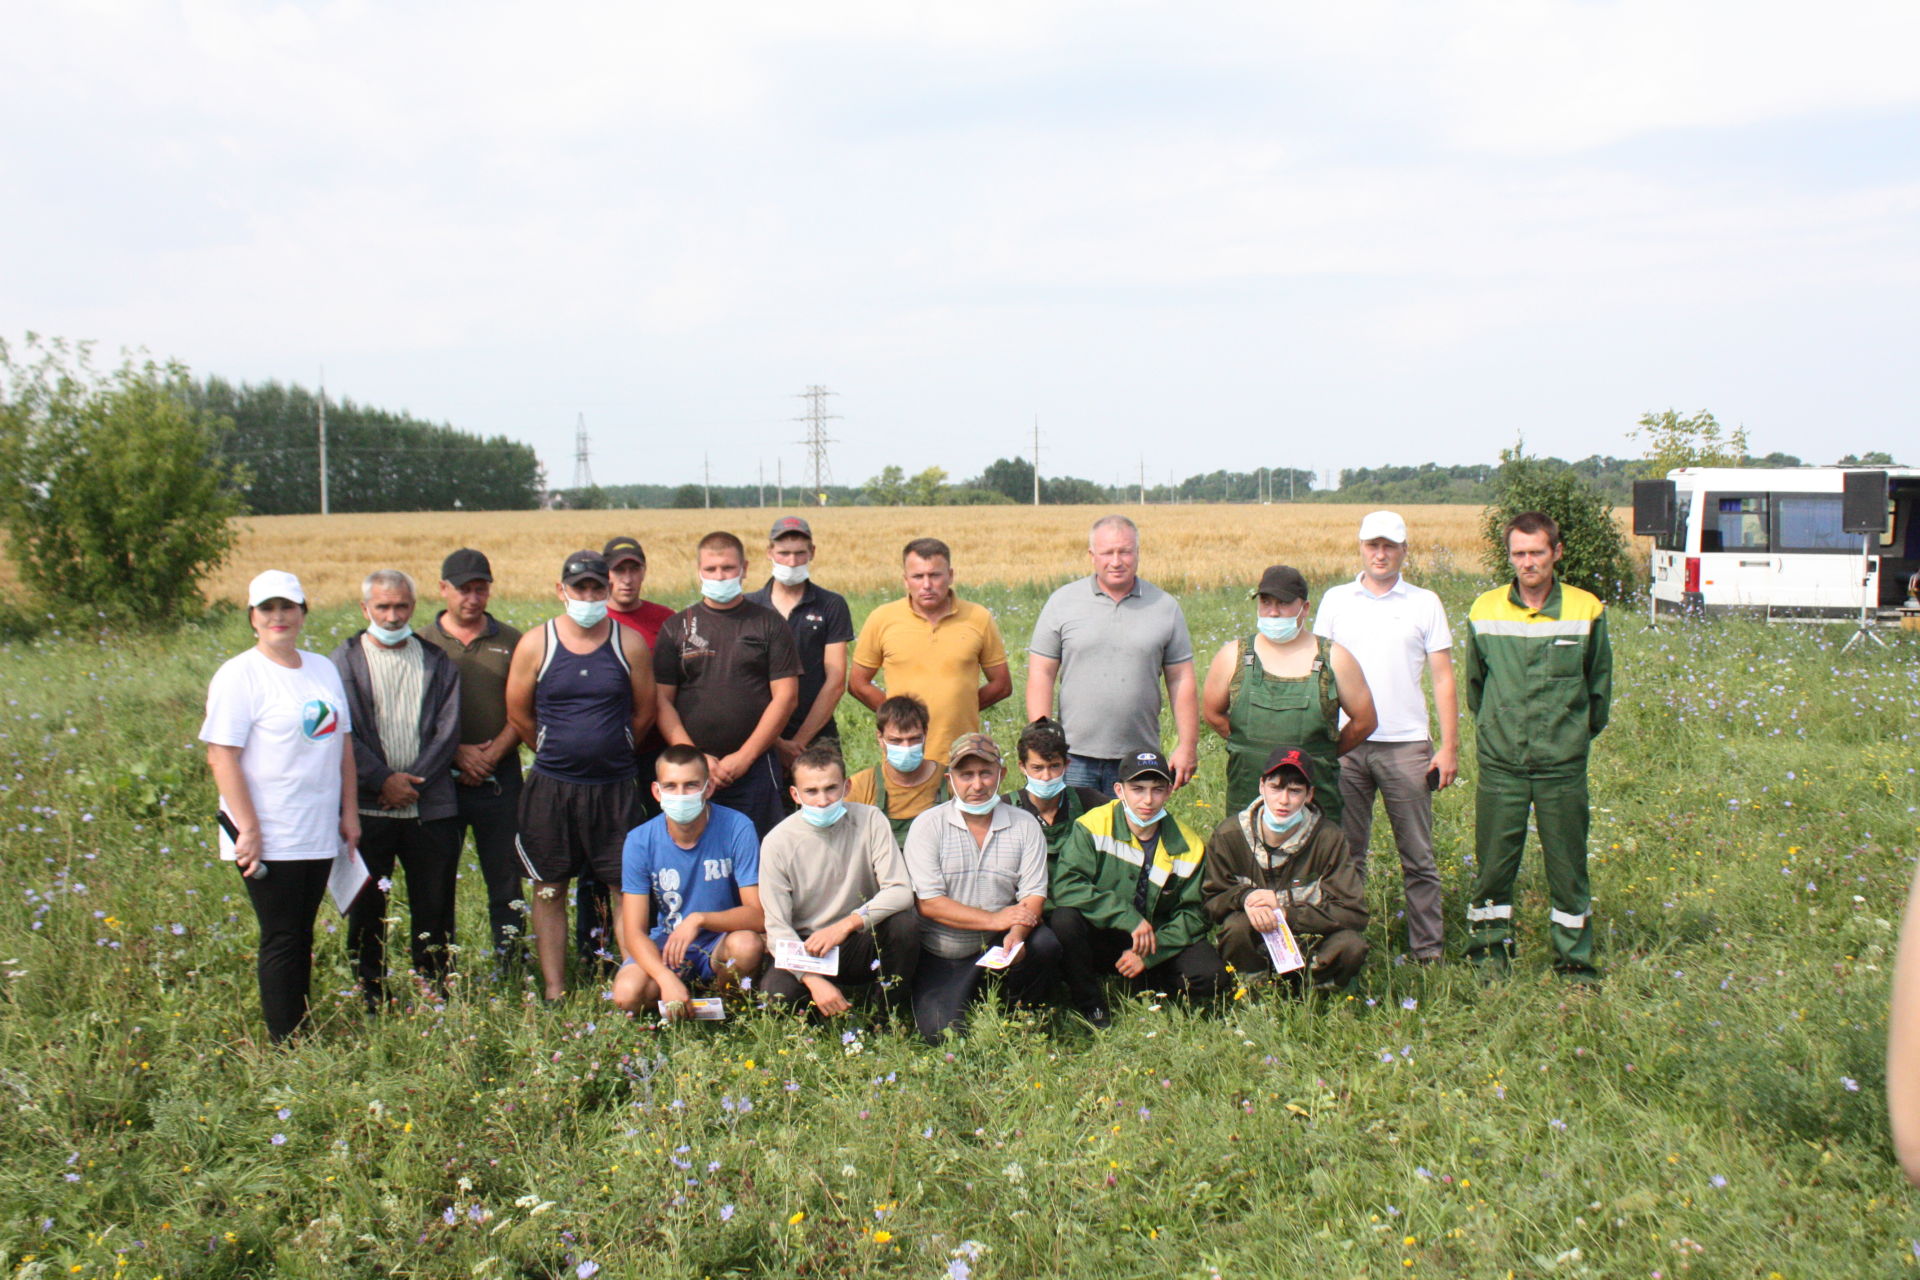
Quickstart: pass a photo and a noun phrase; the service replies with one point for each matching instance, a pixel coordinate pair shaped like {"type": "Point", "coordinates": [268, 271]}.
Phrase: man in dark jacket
{"type": "Point", "coordinates": [404, 696]}
{"type": "Point", "coordinates": [1279, 857]}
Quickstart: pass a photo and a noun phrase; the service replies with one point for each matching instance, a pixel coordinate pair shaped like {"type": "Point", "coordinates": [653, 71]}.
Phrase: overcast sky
{"type": "Point", "coordinates": [1321, 235]}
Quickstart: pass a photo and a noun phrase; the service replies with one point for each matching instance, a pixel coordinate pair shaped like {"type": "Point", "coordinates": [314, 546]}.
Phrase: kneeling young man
{"type": "Point", "coordinates": [831, 876]}
{"type": "Point", "coordinates": [979, 870]}
{"type": "Point", "coordinates": [701, 863]}
{"type": "Point", "coordinates": [1126, 896]}
{"type": "Point", "coordinates": [1280, 856]}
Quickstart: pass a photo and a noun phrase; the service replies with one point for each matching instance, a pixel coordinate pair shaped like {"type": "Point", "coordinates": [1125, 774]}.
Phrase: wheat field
{"type": "Point", "coordinates": [859, 547]}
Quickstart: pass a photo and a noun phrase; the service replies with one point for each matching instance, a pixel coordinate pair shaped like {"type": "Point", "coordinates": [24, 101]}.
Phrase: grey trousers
{"type": "Point", "coordinates": [1397, 772]}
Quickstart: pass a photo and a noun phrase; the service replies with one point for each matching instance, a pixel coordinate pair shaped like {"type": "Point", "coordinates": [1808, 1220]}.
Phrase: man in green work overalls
{"type": "Point", "coordinates": [1539, 682]}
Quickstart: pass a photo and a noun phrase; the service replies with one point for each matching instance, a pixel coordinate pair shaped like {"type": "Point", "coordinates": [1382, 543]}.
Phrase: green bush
{"type": "Point", "coordinates": [112, 501]}
{"type": "Point", "coordinates": [1596, 557]}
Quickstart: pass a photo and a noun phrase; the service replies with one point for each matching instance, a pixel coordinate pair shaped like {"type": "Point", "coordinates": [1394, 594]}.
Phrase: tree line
{"type": "Point", "coordinates": [377, 460]}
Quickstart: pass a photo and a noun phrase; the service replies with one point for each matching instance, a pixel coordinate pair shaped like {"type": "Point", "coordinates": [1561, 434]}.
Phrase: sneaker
{"type": "Point", "coordinates": [1097, 1017]}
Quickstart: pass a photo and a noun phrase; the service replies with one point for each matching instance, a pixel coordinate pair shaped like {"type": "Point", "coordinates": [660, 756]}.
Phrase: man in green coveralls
{"type": "Point", "coordinates": [1539, 683]}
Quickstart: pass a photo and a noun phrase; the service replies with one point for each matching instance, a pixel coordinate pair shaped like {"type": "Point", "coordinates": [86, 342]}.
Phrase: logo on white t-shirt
{"type": "Point", "coordinates": [319, 720]}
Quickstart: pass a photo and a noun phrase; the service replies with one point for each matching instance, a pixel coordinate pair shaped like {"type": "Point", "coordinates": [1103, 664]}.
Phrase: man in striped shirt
{"type": "Point", "coordinates": [979, 872]}
{"type": "Point", "coordinates": [404, 698]}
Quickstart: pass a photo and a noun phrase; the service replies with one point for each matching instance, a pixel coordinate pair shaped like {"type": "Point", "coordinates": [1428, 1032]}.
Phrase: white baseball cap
{"type": "Point", "coordinates": [1383, 524]}
{"type": "Point", "coordinates": [274, 584]}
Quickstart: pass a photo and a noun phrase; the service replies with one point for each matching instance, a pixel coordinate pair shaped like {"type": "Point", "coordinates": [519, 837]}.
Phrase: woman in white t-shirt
{"type": "Point", "coordinates": [277, 743]}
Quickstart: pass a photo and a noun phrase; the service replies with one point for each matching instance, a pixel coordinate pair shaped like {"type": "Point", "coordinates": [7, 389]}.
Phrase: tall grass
{"type": "Point", "coordinates": [1714, 1109]}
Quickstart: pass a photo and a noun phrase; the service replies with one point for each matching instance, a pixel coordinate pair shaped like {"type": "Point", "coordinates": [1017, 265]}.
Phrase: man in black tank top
{"type": "Point", "coordinates": [581, 691]}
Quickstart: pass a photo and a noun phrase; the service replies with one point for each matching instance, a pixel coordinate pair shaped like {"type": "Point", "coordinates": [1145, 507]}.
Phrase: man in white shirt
{"type": "Point", "coordinates": [1394, 629]}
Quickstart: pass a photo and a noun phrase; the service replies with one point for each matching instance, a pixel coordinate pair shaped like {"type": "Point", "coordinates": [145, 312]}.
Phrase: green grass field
{"type": "Point", "coordinates": [1714, 1109]}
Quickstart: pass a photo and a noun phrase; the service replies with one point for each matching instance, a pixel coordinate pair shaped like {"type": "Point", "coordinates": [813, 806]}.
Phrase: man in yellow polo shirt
{"type": "Point", "coordinates": [944, 650]}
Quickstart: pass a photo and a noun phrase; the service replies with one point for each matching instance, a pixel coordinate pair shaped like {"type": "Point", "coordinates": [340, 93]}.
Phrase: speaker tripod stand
{"type": "Point", "coordinates": [1865, 630]}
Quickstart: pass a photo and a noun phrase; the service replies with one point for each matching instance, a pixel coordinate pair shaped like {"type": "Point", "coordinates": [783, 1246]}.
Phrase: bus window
{"type": "Point", "coordinates": [1811, 522]}
{"type": "Point", "coordinates": [1675, 538]}
{"type": "Point", "coordinates": [1735, 522]}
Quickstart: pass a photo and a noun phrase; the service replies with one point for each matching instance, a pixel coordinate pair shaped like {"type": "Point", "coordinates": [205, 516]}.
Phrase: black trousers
{"type": "Point", "coordinates": [428, 853]}
{"type": "Point", "coordinates": [1088, 952]}
{"type": "Point", "coordinates": [946, 985]}
{"type": "Point", "coordinates": [592, 907]}
{"type": "Point", "coordinates": [492, 812]}
{"type": "Point", "coordinates": [894, 942]}
{"type": "Point", "coordinates": [284, 902]}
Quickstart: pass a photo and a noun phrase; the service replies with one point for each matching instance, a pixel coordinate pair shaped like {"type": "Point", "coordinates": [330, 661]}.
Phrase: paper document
{"type": "Point", "coordinates": [349, 877]}
{"type": "Point", "coordinates": [1281, 948]}
{"type": "Point", "coordinates": [791, 954]}
{"type": "Point", "coordinates": [703, 1009]}
{"type": "Point", "coordinates": [999, 957]}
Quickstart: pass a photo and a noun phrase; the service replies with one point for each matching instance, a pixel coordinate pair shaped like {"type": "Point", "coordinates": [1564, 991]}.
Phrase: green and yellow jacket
{"type": "Point", "coordinates": [1099, 866]}
{"type": "Point", "coordinates": [1539, 681]}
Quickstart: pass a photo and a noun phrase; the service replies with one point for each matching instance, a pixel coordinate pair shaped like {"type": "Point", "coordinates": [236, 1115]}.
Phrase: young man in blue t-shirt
{"type": "Point", "coordinates": [700, 864]}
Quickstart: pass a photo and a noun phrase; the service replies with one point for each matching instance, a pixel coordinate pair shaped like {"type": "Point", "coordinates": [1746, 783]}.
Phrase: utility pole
{"type": "Point", "coordinates": [1143, 479]}
{"type": "Point", "coordinates": [1036, 459]}
{"type": "Point", "coordinates": [582, 462]}
{"type": "Point", "coordinates": [323, 442]}
{"type": "Point", "coordinates": [706, 482]}
{"type": "Point", "coordinates": [817, 439]}
{"type": "Point", "coordinates": [779, 483]}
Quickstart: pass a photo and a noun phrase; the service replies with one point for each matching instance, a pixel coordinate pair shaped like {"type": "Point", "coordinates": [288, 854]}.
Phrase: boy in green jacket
{"type": "Point", "coordinates": [1126, 896]}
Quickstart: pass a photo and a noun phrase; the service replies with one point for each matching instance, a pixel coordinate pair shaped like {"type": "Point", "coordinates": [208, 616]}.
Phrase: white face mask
{"type": "Point", "coordinates": [720, 590]}
{"type": "Point", "coordinates": [385, 636]}
{"type": "Point", "coordinates": [791, 575]}
{"type": "Point", "coordinates": [588, 613]}
{"type": "Point", "coordinates": [1278, 630]}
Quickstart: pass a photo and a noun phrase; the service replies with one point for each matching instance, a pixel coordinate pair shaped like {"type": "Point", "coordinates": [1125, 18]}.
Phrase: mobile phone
{"type": "Point", "coordinates": [1433, 778]}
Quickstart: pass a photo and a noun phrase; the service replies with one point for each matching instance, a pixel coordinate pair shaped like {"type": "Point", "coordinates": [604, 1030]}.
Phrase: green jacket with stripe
{"type": "Point", "coordinates": [1539, 681]}
{"type": "Point", "coordinates": [1099, 868]}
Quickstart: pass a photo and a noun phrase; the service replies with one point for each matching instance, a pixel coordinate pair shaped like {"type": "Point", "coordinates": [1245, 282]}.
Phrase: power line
{"type": "Point", "coordinates": [582, 464]}
{"type": "Point", "coordinates": [817, 439]}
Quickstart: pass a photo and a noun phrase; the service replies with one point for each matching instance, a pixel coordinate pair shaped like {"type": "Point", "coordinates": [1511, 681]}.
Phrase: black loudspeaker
{"type": "Point", "coordinates": [1863, 503]}
{"type": "Point", "coordinates": [1652, 508]}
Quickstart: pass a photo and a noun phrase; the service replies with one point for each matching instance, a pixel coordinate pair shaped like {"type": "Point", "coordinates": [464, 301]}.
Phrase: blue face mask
{"type": "Point", "coordinates": [385, 636]}
{"type": "Point", "coordinates": [720, 590]}
{"type": "Point", "coordinates": [824, 815]}
{"type": "Point", "coordinates": [1143, 820]}
{"type": "Point", "coordinates": [682, 809]}
{"type": "Point", "coordinates": [1046, 790]}
{"type": "Point", "coordinates": [1278, 630]}
{"type": "Point", "coordinates": [906, 759]}
{"type": "Point", "coordinates": [984, 807]}
{"type": "Point", "coordinates": [1280, 826]}
{"type": "Point", "coordinates": [588, 613]}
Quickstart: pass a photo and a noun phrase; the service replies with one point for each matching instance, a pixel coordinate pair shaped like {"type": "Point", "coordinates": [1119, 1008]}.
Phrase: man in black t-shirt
{"type": "Point", "coordinates": [822, 629]}
{"type": "Point", "coordinates": [727, 676]}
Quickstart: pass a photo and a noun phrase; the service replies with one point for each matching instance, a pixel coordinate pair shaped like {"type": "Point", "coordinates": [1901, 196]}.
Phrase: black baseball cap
{"type": "Point", "coordinates": [622, 549]}
{"type": "Point", "coordinates": [1289, 758]}
{"type": "Point", "coordinates": [463, 566]}
{"type": "Point", "coordinates": [1144, 764]}
{"type": "Point", "coordinates": [1283, 582]}
{"type": "Point", "coordinates": [582, 566]}
{"type": "Point", "coordinates": [791, 524]}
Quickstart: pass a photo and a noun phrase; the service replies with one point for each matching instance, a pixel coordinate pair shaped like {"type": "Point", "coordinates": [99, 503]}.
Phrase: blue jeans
{"type": "Point", "coordinates": [1093, 772]}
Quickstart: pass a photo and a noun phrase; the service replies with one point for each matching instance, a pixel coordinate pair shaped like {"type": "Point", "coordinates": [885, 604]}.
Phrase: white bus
{"type": "Point", "coordinates": [1771, 542]}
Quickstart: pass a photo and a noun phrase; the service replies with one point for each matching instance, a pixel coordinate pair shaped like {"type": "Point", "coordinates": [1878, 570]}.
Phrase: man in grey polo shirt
{"type": "Point", "coordinates": [979, 872]}
{"type": "Point", "coordinates": [1396, 630]}
{"type": "Point", "coordinates": [1111, 639]}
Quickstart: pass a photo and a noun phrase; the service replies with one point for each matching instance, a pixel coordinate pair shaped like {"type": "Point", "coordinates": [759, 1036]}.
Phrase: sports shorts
{"type": "Point", "coordinates": [566, 826]}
